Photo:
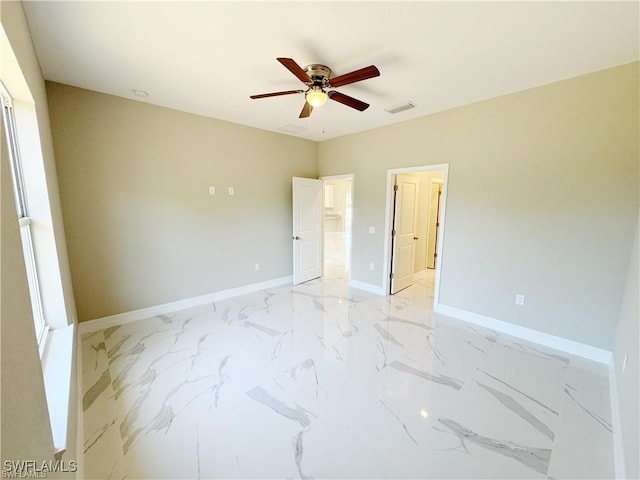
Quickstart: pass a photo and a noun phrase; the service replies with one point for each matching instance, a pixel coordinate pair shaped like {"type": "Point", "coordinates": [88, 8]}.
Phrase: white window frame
{"type": "Point", "coordinates": [40, 323]}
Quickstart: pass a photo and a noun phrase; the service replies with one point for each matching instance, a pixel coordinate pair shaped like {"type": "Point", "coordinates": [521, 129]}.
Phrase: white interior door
{"type": "Point", "coordinates": [307, 229]}
{"type": "Point", "coordinates": [404, 232]}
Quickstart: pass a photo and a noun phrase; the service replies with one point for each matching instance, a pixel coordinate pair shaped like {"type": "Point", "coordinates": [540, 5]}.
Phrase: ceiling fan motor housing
{"type": "Point", "coordinates": [319, 74]}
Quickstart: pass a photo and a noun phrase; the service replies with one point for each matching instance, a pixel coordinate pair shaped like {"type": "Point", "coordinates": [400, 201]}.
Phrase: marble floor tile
{"type": "Point", "coordinates": [323, 381]}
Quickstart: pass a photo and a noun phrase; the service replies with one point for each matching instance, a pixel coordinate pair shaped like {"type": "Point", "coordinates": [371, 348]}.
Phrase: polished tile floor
{"type": "Point", "coordinates": [323, 381]}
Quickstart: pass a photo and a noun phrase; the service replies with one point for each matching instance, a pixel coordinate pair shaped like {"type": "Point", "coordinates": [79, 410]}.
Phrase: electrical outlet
{"type": "Point", "coordinates": [256, 267]}
{"type": "Point", "coordinates": [212, 190]}
{"type": "Point", "coordinates": [520, 300]}
{"type": "Point", "coordinates": [372, 230]}
{"type": "Point", "coordinates": [371, 266]}
{"type": "Point", "coordinates": [624, 362]}
{"type": "Point", "coordinates": [232, 191]}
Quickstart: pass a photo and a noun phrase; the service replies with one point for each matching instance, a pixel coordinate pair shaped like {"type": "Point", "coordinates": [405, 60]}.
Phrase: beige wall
{"type": "Point", "coordinates": [25, 430]}
{"type": "Point", "coordinates": [558, 219]}
{"type": "Point", "coordinates": [141, 226]}
{"type": "Point", "coordinates": [626, 343]}
{"type": "Point", "coordinates": [26, 433]}
{"type": "Point", "coordinates": [26, 85]}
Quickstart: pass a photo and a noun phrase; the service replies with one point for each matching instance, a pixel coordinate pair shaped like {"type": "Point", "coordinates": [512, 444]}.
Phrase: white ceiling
{"type": "Point", "coordinates": [208, 57]}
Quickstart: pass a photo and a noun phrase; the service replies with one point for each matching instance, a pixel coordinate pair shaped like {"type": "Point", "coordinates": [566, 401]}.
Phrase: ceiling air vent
{"type": "Point", "coordinates": [401, 108]}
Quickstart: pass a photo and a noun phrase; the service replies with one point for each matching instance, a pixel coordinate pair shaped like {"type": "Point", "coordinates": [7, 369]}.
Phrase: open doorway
{"type": "Point", "coordinates": [338, 214]}
{"type": "Point", "coordinates": [415, 220]}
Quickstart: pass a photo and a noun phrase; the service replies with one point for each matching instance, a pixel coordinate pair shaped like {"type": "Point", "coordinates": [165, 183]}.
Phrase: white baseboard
{"type": "Point", "coordinates": [618, 444]}
{"type": "Point", "coordinates": [569, 346]}
{"type": "Point", "coordinates": [127, 317]}
{"type": "Point", "coordinates": [367, 287]}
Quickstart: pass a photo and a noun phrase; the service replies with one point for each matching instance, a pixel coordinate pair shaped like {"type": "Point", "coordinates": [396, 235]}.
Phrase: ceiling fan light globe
{"type": "Point", "coordinates": [316, 97]}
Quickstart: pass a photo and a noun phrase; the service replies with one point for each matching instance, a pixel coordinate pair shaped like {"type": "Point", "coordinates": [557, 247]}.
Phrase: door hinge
{"type": "Point", "coordinates": [395, 188]}
{"type": "Point", "coordinates": [435, 255]}
{"type": "Point", "coordinates": [391, 276]}
{"type": "Point", "coordinates": [393, 233]}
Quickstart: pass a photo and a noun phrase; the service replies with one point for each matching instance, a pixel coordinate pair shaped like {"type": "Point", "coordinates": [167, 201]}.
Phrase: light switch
{"type": "Point", "coordinates": [232, 191]}
{"type": "Point", "coordinates": [212, 190]}
{"type": "Point", "coordinates": [372, 230]}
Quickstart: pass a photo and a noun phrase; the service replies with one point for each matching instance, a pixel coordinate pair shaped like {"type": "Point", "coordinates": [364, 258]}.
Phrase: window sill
{"type": "Point", "coordinates": [57, 366]}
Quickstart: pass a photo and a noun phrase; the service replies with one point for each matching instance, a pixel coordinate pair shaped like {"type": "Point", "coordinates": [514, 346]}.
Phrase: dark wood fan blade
{"type": "Point", "coordinates": [348, 101]}
{"type": "Point", "coordinates": [355, 76]}
{"type": "Point", "coordinates": [296, 69]}
{"type": "Point", "coordinates": [306, 110]}
{"type": "Point", "coordinates": [276, 94]}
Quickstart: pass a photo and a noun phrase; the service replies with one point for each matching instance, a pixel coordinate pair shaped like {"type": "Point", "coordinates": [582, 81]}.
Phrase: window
{"type": "Point", "coordinates": [23, 218]}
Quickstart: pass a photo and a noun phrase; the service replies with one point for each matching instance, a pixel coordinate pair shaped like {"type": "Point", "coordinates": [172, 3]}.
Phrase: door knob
{"type": "Point", "coordinates": [415, 238]}
{"type": "Point", "coordinates": [296, 238]}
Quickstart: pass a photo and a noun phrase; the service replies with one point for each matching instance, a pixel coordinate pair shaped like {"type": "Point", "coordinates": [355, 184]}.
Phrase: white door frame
{"type": "Point", "coordinates": [391, 173]}
{"type": "Point", "coordinates": [346, 176]}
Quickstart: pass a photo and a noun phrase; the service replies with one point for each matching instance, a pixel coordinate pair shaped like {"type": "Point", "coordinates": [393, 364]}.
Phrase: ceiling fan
{"type": "Point", "coordinates": [318, 80]}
